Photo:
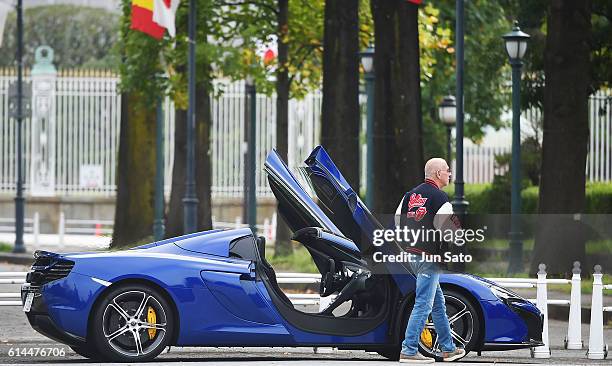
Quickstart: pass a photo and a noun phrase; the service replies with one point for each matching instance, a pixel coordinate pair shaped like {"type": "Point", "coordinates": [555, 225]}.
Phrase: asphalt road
{"type": "Point", "coordinates": [19, 343]}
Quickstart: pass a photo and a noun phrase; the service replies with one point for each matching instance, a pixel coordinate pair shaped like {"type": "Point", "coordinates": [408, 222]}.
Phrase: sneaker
{"type": "Point", "coordinates": [452, 356]}
{"type": "Point", "coordinates": [416, 358]}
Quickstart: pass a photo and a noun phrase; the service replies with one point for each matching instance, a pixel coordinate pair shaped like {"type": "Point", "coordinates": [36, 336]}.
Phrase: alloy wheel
{"type": "Point", "coordinates": [134, 323]}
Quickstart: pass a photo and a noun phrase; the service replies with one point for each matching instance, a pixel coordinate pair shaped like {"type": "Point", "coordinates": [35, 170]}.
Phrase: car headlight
{"type": "Point", "coordinates": [504, 294]}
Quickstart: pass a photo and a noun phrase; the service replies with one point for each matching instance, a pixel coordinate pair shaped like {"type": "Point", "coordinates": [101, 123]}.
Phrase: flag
{"type": "Point", "coordinates": [142, 19]}
{"type": "Point", "coordinates": [4, 10]}
{"type": "Point", "coordinates": [269, 56]}
{"type": "Point", "coordinates": [164, 12]}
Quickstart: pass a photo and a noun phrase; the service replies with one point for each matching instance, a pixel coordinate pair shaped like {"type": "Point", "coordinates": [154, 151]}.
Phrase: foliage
{"type": "Point", "coordinates": [531, 161]}
{"type": "Point", "coordinates": [82, 37]}
{"type": "Point", "coordinates": [483, 96]}
{"type": "Point", "coordinates": [140, 67]}
{"type": "Point", "coordinates": [253, 27]}
{"type": "Point", "coordinates": [299, 260]}
{"type": "Point", "coordinates": [489, 198]}
{"type": "Point", "coordinates": [5, 247]}
{"type": "Point", "coordinates": [532, 20]}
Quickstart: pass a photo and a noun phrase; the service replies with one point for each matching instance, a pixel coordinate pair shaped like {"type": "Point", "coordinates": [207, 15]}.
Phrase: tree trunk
{"type": "Point", "coordinates": [560, 241]}
{"type": "Point", "coordinates": [398, 143]}
{"type": "Point", "coordinates": [134, 209]}
{"type": "Point", "coordinates": [174, 226]}
{"type": "Point", "coordinates": [282, 246]}
{"type": "Point", "coordinates": [340, 109]}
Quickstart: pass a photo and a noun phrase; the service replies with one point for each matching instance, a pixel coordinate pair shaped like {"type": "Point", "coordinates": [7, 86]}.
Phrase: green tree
{"type": "Point", "coordinates": [397, 112]}
{"type": "Point", "coordinates": [560, 242]}
{"type": "Point", "coordinates": [340, 110]}
{"type": "Point", "coordinates": [80, 36]}
{"type": "Point", "coordinates": [141, 84]}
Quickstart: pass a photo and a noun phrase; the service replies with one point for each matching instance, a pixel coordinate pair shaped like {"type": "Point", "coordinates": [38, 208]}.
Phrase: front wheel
{"type": "Point", "coordinates": [132, 323]}
{"type": "Point", "coordinates": [464, 323]}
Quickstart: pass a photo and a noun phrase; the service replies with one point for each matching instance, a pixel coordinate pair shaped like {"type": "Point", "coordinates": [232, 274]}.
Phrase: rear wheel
{"type": "Point", "coordinates": [132, 323]}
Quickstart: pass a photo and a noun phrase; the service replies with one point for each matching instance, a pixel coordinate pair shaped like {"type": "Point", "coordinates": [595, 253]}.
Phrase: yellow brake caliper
{"type": "Point", "coordinates": [151, 319]}
{"type": "Point", "coordinates": [426, 337]}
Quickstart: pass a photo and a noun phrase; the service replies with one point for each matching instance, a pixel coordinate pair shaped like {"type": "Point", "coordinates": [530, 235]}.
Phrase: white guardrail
{"type": "Point", "coordinates": [573, 340]}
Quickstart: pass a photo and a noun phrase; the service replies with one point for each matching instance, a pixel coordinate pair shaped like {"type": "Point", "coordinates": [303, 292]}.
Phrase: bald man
{"type": "Point", "coordinates": [426, 207]}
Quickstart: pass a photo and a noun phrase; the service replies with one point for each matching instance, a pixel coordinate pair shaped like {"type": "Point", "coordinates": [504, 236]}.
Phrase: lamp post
{"type": "Point", "coordinates": [367, 61]}
{"type": "Point", "coordinates": [516, 45]}
{"type": "Point", "coordinates": [459, 203]}
{"type": "Point", "coordinates": [190, 201]}
{"type": "Point", "coordinates": [447, 112]}
{"type": "Point", "coordinates": [250, 198]}
{"type": "Point", "coordinates": [19, 200]}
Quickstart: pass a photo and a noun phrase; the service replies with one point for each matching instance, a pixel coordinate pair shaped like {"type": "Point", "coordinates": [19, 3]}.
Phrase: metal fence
{"type": "Point", "coordinates": [87, 114]}
{"type": "Point", "coordinates": [227, 136]}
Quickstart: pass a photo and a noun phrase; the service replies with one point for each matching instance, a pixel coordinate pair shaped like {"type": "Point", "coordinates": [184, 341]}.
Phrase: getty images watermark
{"type": "Point", "coordinates": [409, 237]}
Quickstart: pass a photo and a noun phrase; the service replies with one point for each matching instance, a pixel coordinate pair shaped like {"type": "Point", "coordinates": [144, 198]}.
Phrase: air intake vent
{"type": "Point", "coordinates": [48, 268]}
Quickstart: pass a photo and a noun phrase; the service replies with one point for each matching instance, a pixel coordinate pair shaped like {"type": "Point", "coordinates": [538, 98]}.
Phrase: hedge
{"type": "Point", "coordinates": [495, 199]}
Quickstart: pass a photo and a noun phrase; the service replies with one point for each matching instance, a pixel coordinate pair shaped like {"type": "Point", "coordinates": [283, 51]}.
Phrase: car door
{"type": "Point", "coordinates": [346, 210]}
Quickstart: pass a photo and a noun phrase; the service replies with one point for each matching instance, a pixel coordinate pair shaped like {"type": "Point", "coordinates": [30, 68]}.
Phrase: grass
{"type": "Point", "coordinates": [299, 261]}
{"type": "Point", "coordinates": [5, 247]}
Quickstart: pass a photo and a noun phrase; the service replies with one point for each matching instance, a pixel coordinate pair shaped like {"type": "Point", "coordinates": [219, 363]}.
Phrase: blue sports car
{"type": "Point", "coordinates": [215, 288]}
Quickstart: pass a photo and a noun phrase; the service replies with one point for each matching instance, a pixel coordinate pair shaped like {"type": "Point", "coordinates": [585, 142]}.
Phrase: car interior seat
{"type": "Point", "coordinates": [269, 271]}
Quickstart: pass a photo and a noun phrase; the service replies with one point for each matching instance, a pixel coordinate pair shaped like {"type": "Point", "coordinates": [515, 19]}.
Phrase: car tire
{"type": "Point", "coordinates": [464, 320]}
{"type": "Point", "coordinates": [455, 302]}
{"type": "Point", "coordinates": [132, 323]}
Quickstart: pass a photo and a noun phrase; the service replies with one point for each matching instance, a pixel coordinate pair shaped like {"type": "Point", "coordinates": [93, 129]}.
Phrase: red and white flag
{"type": "Point", "coordinates": [164, 14]}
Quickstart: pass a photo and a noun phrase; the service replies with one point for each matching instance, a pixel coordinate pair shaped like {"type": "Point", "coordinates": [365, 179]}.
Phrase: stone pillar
{"type": "Point", "coordinates": [42, 129]}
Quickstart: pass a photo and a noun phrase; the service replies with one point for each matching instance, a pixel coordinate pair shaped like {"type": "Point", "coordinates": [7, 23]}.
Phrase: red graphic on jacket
{"type": "Point", "coordinates": [416, 200]}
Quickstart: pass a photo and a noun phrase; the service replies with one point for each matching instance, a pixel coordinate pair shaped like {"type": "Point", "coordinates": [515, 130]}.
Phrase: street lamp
{"type": "Point", "coordinates": [250, 199]}
{"type": "Point", "coordinates": [367, 61]}
{"type": "Point", "coordinates": [447, 112]}
{"type": "Point", "coordinates": [19, 200]}
{"type": "Point", "coordinates": [190, 200]}
{"type": "Point", "coordinates": [516, 45]}
{"type": "Point", "coordinates": [459, 203]}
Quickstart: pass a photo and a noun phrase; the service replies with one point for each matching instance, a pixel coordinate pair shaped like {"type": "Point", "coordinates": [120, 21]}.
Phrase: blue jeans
{"type": "Point", "coordinates": [429, 299]}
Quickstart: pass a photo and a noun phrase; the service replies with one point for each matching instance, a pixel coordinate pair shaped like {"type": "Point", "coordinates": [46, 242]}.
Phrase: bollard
{"type": "Point", "coordinates": [596, 344]}
{"type": "Point", "coordinates": [542, 303]}
{"type": "Point", "coordinates": [62, 229]}
{"type": "Point", "coordinates": [574, 333]}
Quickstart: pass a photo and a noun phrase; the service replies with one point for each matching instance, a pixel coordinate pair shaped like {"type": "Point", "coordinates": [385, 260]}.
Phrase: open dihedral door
{"type": "Point", "coordinates": [344, 208]}
{"type": "Point", "coordinates": [344, 273]}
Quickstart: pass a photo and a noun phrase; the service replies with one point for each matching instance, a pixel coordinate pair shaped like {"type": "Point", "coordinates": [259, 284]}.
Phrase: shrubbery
{"type": "Point", "coordinates": [494, 198]}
